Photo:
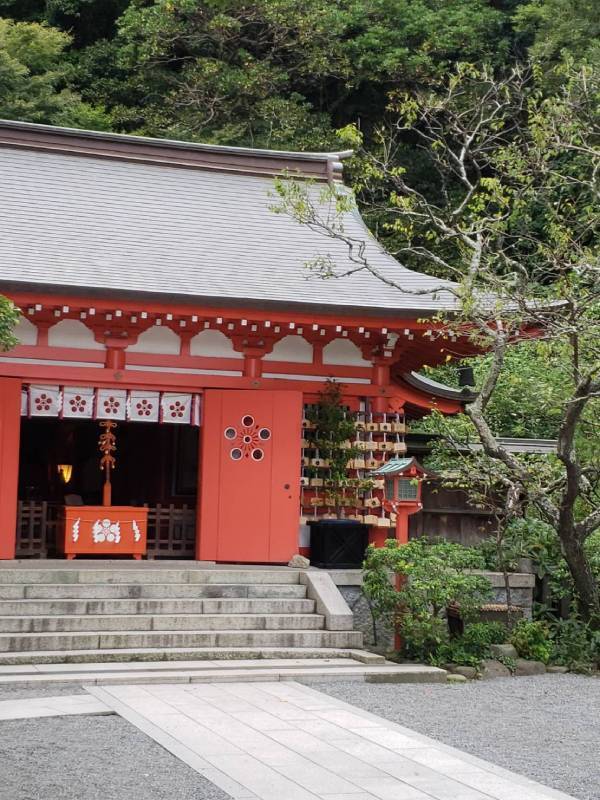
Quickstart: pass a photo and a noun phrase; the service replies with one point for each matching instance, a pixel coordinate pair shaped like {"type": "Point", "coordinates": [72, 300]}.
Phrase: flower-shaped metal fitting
{"type": "Point", "coordinates": [43, 402]}
{"type": "Point", "coordinates": [144, 407]}
{"type": "Point", "coordinates": [111, 405]}
{"type": "Point", "coordinates": [78, 404]}
{"type": "Point", "coordinates": [246, 439]}
{"type": "Point", "coordinates": [177, 409]}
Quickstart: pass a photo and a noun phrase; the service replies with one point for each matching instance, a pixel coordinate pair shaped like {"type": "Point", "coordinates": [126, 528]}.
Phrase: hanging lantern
{"type": "Point", "coordinates": [65, 472]}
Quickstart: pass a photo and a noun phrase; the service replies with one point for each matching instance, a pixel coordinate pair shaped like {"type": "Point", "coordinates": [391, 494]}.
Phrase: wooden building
{"type": "Point", "coordinates": [159, 290]}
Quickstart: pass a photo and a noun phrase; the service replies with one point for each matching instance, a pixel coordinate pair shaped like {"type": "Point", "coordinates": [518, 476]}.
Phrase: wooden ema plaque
{"type": "Point", "coordinates": [105, 531]}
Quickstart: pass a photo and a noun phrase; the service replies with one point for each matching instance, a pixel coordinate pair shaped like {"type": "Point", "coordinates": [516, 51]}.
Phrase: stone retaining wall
{"type": "Point", "coordinates": [349, 582]}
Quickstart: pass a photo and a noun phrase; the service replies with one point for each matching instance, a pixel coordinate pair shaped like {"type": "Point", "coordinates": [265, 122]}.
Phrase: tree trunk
{"type": "Point", "coordinates": [586, 587]}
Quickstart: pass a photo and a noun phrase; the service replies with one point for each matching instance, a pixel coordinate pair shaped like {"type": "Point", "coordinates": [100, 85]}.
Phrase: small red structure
{"type": "Point", "coordinates": [104, 531]}
{"type": "Point", "coordinates": [402, 491]}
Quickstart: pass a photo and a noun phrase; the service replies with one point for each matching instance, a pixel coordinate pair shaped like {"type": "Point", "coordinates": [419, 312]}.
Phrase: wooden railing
{"type": "Point", "coordinates": [171, 530]}
{"type": "Point", "coordinates": [36, 528]}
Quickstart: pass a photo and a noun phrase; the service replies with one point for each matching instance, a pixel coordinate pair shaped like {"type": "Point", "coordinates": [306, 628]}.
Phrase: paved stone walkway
{"type": "Point", "coordinates": [61, 706]}
{"type": "Point", "coordinates": [285, 741]}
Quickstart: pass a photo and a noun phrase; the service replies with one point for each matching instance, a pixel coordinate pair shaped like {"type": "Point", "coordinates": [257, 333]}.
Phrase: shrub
{"type": "Point", "coordinates": [532, 640]}
{"type": "Point", "coordinates": [484, 634]}
{"type": "Point", "coordinates": [474, 645]}
{"type": "Point", "coordinates": [433, 576]}
{"type": "Point", "coordinates": [574, 644]}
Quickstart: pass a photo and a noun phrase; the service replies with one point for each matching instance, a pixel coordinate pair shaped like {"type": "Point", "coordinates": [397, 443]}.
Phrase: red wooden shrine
{"type": "Point", "coordinates": [158, 289]}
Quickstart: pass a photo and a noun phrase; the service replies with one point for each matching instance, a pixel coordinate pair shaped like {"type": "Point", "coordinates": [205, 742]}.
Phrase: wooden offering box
{"type": "Point", "coordinates": [104, 531]}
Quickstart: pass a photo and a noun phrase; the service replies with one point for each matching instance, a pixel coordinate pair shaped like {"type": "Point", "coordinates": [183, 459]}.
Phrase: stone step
{"type": "Point", "coordinates": [55, 591]}
{"type": "Point", "coordinates": [300, 669]}
{"type": "Point", "coordinates": [123, 658]}
{"type": "Point", "coordinates": [161, 622]}
{"type": "Point", "coordinates": [172, 666]}
{"type": "Point", "coordinates": [148, 575]}
{"type": "Point", "coordinates": [25, 608]}
{"type": "Point", "coordinates": [158, 639]}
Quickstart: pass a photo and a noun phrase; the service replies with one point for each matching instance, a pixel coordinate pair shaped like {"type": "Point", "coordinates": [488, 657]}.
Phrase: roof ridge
{"type": "Point", "coordinates": [31, 135]}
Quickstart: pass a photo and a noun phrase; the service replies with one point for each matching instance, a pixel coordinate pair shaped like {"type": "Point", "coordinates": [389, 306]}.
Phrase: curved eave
{"type": "Point", "coordinates": [436, 389]}
{"type": "Point", "coordinates": [422, 396]}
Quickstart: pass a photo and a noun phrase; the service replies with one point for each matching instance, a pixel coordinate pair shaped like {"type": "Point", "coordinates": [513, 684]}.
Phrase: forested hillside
{"type": "Point", "coordinates": [273, 73]}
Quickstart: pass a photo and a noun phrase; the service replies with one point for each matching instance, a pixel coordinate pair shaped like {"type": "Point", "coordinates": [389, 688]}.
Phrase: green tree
{"type": "Point", "coordinates": [430, 579]}
{"type": "Point", "coordinates": [85, 20]}
{"type": "Point", "coordinates": [512, 215]}
{"type": "Point", "coordinates": [34, 78]}
{"type": "Point", "coordinates": [559, 28]}
{"type": "Point", "coordinates": [282, 73]}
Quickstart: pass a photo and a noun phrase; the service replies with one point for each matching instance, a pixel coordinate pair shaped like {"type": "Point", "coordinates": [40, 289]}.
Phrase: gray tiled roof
{"type": "Point", "coordinates": [75, 222]}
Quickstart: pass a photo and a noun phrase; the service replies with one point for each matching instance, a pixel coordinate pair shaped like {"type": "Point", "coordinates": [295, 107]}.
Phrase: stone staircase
{"type": "Point", "coordinates": [101, 612]}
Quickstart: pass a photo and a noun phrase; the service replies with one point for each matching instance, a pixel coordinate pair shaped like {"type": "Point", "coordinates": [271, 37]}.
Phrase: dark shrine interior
{"type": "Point", "coordinates": [154, 463]}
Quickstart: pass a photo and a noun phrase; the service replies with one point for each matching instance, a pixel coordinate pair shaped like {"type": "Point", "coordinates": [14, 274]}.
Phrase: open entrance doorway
{"type": "Point", "coordinates": [156, 467]}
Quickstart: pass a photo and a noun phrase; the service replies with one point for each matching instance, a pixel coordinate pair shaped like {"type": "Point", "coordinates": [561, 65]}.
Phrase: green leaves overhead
{"type": "Point", "coordinates": [277, 73]}
{"type": "Point", "coordinates": [35, 77]}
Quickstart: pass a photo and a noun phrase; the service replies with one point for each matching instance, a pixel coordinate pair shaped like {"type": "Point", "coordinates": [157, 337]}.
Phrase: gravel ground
{"type": "Point", "coordinates": [546, 727]}
{"type": "Point", "coordinates": [92, 758]}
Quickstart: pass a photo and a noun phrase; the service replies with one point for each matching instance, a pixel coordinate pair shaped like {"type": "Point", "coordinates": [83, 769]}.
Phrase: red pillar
{"type": "Point", "coordinates": [380, 377]}
{"type": "Point", "coordinates": [402, 524]}
{"type": "Point", "coordinates": [253, 361]}
{"type": "Point", "coordinates": [10, 428]}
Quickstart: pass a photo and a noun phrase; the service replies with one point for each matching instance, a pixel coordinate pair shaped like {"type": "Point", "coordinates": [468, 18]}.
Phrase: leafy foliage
{"type": "Point", "coordinates": [429, 578]}
{"type": "Point", "coordinates": [561, 27]}
{"type": "Point", "coordinates": [528, 398]}
{"type": "Point", "coordinates": [9, 315]}
{"type": "Point", "coordinates": [277, 72]}
{"type": "Point", "coordinates": [474, 645]}
{"type": "Point", "coordinates": [34, 78]}
{"type": "Point", "coordinates": [532, 640]}
{"type": "Point", "coordinates": [531, 538]}
{"type": "Point", "coordinates": [575, 645]}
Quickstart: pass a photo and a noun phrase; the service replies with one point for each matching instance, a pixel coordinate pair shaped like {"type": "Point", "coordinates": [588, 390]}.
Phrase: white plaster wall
{"type": "Point", "coordinates": [25, 331]}
{"type": "Point", "coordinates": [158, 340]}
{"type": "Point", "coordinates": [294, 349]}
{"type": "Point", "coordinates": [345, 353]}
{"type": "Point", "coordinates": [213, 344]}
{"type": "Point", "coordinates": [72, 333]}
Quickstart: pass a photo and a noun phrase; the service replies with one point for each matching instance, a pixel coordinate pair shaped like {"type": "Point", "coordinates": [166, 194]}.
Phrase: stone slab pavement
{"type": "Point", "coordinates": [63, 705]}
{"type": "Point", "coordinates": [286, 741]}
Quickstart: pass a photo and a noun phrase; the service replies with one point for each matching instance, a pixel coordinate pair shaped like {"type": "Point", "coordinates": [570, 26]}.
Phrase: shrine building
{"type": "Point", "coordinates": [159, 290]}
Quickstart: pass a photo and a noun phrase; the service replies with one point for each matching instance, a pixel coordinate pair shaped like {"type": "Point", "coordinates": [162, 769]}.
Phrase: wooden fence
{"type": "Point", "coordinates": [37, 524]}
{"type": "Point", "coordinates": [447, 514]}
{"type": "Point", "coordinates": [171, 532]}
